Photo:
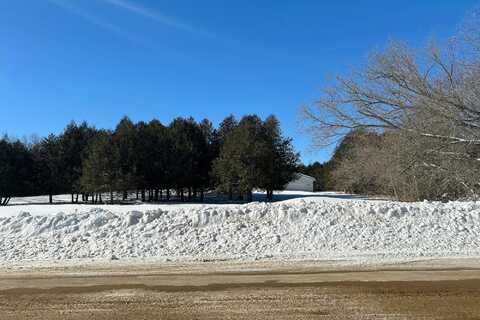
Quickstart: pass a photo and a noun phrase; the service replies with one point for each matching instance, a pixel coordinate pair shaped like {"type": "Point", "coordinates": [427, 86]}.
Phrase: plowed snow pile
{"type": "Point", "coordinates": [316, 228]}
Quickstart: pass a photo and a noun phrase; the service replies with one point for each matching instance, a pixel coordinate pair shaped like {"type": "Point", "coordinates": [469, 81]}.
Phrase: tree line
{"type": "Point", "coordinates": [408, 122]}
{"type": "Point", "coordinates": [184, 159]}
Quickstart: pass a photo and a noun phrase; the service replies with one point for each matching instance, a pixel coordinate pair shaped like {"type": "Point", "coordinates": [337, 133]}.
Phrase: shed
{"type": "Point", "coordinates": [301, 182]}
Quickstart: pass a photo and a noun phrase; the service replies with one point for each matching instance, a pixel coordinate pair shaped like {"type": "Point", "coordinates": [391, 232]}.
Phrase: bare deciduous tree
{"type": "Point", "coordinates": [430, 103]}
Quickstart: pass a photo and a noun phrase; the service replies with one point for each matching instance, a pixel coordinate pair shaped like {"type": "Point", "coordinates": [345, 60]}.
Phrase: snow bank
{"type": "Point", "coordinates": [317, 228]}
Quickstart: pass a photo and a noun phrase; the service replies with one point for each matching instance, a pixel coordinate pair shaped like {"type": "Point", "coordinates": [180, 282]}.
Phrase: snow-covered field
{"type": "Point", "coordinates": [307, 226]}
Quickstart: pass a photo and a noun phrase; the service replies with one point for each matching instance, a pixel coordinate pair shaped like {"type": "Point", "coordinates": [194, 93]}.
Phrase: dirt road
{"type": "Point", "coordinates": [268, 290]}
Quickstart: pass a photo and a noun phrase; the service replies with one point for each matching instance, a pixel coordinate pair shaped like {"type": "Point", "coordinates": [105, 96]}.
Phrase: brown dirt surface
{"type": "Point", "coordinates": [263, 290]}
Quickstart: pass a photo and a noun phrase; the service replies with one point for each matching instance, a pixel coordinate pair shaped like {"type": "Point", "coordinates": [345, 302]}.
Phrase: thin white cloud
{"type": "Point", "coordinates": [94, 19]}
{"type": "Point", "coordinates": [157, 17]}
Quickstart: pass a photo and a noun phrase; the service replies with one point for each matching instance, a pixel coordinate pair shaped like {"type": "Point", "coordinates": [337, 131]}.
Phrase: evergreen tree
{"type": "Point", "coordinates": [279, 159]}
{"type": "Point", "coordinates": [207, 155]}
{"type": "Point", "coordinates": [49, 167]}
{"type": "Point", "coordinates": [238, 167]}
{"type": "Point", "coordinates": [16, 166]}
{"type": "Point", "coordinates": [226, 126]}
{"type": "Point", "coordinates": [73, 143]}
{"type": "Point", "coordinates": [255, 155]}
{"type": "Point", "coordinates": [152, 157]}
{"type": "Point", "coordinates": [126, 143]}
{"type": "Point", "coordinates": [238, 157]}
{"type": "Point", "coordinates": [160, 146]}
{"type": "Point", "coordinates": [101, 166]}
{"type": "Point", "coordinates": [189, 147]}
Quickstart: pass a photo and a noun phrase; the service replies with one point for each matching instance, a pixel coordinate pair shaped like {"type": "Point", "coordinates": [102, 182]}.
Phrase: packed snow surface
{"type": "Point", "coordinates": [304, 228]}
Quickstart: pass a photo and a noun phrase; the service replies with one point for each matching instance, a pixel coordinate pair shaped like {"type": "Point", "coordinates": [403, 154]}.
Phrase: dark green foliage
{"type": "Point", "coordinates": [73, 144]}
{"type": "Point", "coordinates": [279, 162]}
{"type": "Point", "coordinates": [237, 168]}
{"type": "Point", "coordinates": [15, 170]}
{"type": "Point", "coordinates": [49, 167]}
{"type": "Point", "coordinates": [152, 156]}
{"type": "Point", "coordinates": [126, 144]}
{"type": "Point", "coordinates": [150, 159]}
{"type": "Point", "coordinates": [255, 155]}
{"type": "Point", "coordinates": [101, 167]}
{"type": "Point", "coordinates": [190, 146]}
{"type": "Point", "coordinates": [209, 152]}
{"type": "Point", "coordinates": [218, 140]}
{"type": "Point", "coordinates": [225, 127]}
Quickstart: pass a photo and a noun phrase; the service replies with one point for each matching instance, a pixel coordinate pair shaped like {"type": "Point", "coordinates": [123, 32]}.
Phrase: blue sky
{"type": "Point", "coordinates": [98, 60]}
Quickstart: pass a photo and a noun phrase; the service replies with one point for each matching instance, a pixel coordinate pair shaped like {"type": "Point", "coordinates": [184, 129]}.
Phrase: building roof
{"type": "Point", "coordinates": [301, 175]}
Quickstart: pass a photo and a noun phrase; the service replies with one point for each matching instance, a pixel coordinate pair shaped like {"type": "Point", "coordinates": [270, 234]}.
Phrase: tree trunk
{"type": "Point", "coordinates": [270, 195]}
{"type": "Point", "coordinates": [50, 198]}
{"type": "Point", "coordinates": [136, 196]}
{"type": "Point", "coordinates": [189, 193]}
{"type": "Point", "coordinates": [111, 197]}
{"type": "Point", "coordinates": [73, 199]}
{"type": "Point", "coordinates": [168, 194]}
{"type": "Point", "coordinates": [143, 195]}
{"type": "Point", "coordinates": [6, 201]}
{"type": "Point", "coordinates": [76, 199]}
{"type": "Point", "coordinates": [161, 194]}
{"type": "Point", "coordinates": [100, 198]}
{"type": "Point", "coordinates": [202, 195]}
{"type": "Point", "coordinates": [125, 195]}
{"type": "Point", "coordinates": [249, 196]}
{"type": "Point", "coordinates": [156, 195]}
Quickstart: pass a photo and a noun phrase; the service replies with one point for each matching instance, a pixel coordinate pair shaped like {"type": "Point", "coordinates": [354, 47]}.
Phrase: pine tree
{"type": "Point", "coordinates": [255, 155]}
{"type": "Point", "coordinates": [16, 165]}
{"type": "Point", "coordinates": [152, 156]}
{"type": "Point", "coordinates": [101, 166]}
{"type": "Point", "coordinates": [189, 149]}
{"type": "Point", "coordinates": [73, 143]}
{"type": "Point", "coordinates": [49, 167]}
{"type": "Point", "coordinates": [161, 148]}
{"type": "Point", "coordinates": [280, 160]}
{"type": "Point", "coordinates": [238, 157]}
{"type": "Point", "coordinates": [238, 167]}
{"type": "Point", "coordinates": [207, 155]}
{"type": "Point", "coordinates": [126, 143]}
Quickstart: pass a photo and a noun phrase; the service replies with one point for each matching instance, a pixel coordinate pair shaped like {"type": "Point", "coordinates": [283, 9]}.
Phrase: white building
{"type": "Point", "coordinates": [302, 182]}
